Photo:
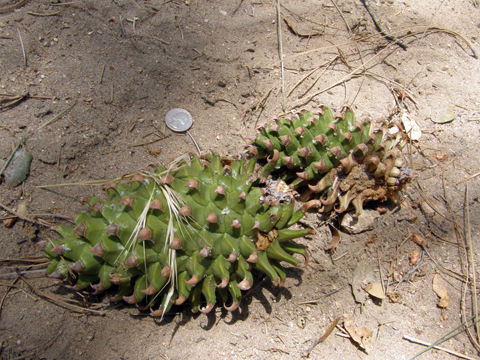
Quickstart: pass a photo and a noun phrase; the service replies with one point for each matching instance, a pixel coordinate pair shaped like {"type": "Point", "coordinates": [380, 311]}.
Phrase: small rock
{"type": "Point", "coordinates": [42, 111]}
{"type": "Point", "coordinates": [364, 222]}
{"type": "Point", "coordinates": [222, 83]}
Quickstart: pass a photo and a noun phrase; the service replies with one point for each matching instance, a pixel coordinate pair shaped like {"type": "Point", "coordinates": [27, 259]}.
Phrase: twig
{"type": "Point", "coordinates": [340, 12]}
{"type": "Point", "coordinates": [471, 263]}
{"type": "Point", "coordinates": [324, 337]}
{"type": "Point", "coordinates": [416, 341]}
{"type": "Point", "coordinates": [381, 28]}
{"type": "Point", "coordinates": [50, 14]}
{"type": "Point", "coordinates": [306, 76]}
{"type": "Point", "coordinates": [280, 52]}
{"type": "Point", "coordinates": [321, 297]}
{"type": "Point", "coordinates": [35, 38]}
{"type": "Point", "coordinates": [196, 145]}
{"type": "Point", "coordinates": [468, 178]}
{"type": "Point", "coordinates": [101, 75]}
{"type": "Point", "coordinates": [23, 49]}
{"type": "Point", "coordinates": [12, 7]}
{"type": "Point", "coordinates": [6, 293]}
{"type": "Point", "coordinates": [57, 116]}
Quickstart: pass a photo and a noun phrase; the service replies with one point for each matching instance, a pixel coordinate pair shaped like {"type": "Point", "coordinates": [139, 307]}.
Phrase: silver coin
{"type": "Point", "coordinates": [178, 120]}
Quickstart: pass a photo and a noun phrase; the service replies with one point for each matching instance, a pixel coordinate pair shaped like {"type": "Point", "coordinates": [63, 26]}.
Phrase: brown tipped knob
{"type": "Point", "coordinates": [256, 225]}
{"type": "Point", "coordinates": [236, 224]}
{"type": "Point", "coordinates": [206, 309]}
{"type": "Point", "coordinates": [115, 278]}
{"type": "Point", "coordinates": [137, 177]}
{"type": "Point", "coordinates": [233, 257]}
{"type": "Point", "coordinates": [145, 234]}
{"type": "Point", "coordinates": [336, 151]}
{"type": "Point", "coordinates": [395, 172]}
{"type": "Point", "coordinates": [245, 284]}
{"type": "Point", "coordinates": [56, 275]}
{"type": "Point", "coordinates": [242, 196]}
{"type": "Point", "coordinates": [132, 260]}
{"type": "Point", "coordinates": [223, 283]}
{"type": "Point", "coordinates": [333, 126]}
{"type": "Point", "coordinates": [113, 229]}
{"type": "Point", "coordinates": [205, 252]}
{"type": "Point", "coordinates": [165, 272]}
{"type": "Point", "coordinates": [127, 200]}
{"type": "Point", "coordinates": [176, 244]}
{"type": "Point", "coordinates": [358, 125]}
{"type": "Point", "coordinates": [156, 204]}
{"type": "Point", "coordinates": [180, 300]}
{"type": "Point", "coordinates": [110, 186]}
{"type": "Point", "coordinates": [250, 139]}
{"type": "Point", "coordinates": [185, 211]}
{"type": "Point", "coordinates": [320, 166]}
{"type": "Point", "coordinates": [339, 115]}
{"type": "Point", "coordinates": [192, 184]}
{"type": "Point", "coordinates": [133, 299]}
{"type": "Point", "coordinates": [348, 136]}
{"type": "Point", "coordinates": [311, 119]}
{"type": "Point", "coordinates": [156, 313]}
{"type": "Point", "coordinates": [227, 169]}
{"type": "Point", "coordinates": [303, 175]}
{"type": "Point", "coordinates": [300, 131]}
{"type": "Point", "coordinates": [167, 180]}
{"type": "Point", "coordinates": [305, 152]}
{"type": "Point", "coordinates": [285, 139]}
{"type": "Point", "coordinates": [78, 267]}
{"type": "Point", "coordinates": [150, 290]}
{"type": "Point", "coordinates": [97, 206]}
{"type": "Point", "coordinates": [80, 230]}
{"type": "Point", "coordinates": [58, 249]}
{"type": "Point", "coordinates": [362, 148]}
{"type": "Point", "coordinates": [232, 307]}
{"type": "Point", "coordinates": [288, 161]}
{"type": "Point", "coordinates": [77, 287]}
{"type": "Point", "coordinates": [252, 150]}
{"type": "Point", "coordinates": [273, 216]}
{"type": "Point", "coordinates": [253, 258]}
{"type": "Point", "coordinates": [220, 190]}
{"type": "Point", "coordinates": [321, 139]}
{"type": "Point", "coordinates": [194, 280]}
{"type": "Point", "coordinates": [372, 138]}
{"type": "Point", "coordinates": [275, 128]}
{"type": "Point", "coordinates": [268, 144]}
{"type": "Point", "coordinates": [99, 288]}
{"type": "Point", "coordinates": [212, 218]}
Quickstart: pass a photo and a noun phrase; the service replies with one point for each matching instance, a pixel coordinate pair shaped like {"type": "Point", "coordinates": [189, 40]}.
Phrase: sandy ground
{"type": "Point", "coordinates": [124, 64]}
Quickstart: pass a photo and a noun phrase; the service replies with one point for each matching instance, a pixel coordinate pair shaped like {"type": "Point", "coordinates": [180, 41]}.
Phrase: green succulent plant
{"type": "Point", "coordinates": [197, 230]}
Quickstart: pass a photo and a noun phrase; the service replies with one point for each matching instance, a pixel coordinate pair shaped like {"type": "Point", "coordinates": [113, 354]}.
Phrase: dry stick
{"type": "Point", "coordinates": [35, 38]}
{"type": "Point", "coordinates": [12, 7]}
{"type": "Point", "coordinates": [324, 337]}
{"type": "Point", "coordinates": [59, 302]}
{"type": "Point", "coordinates": [473, 282]}
{"type": "Point", "coordinates": [23, 49]}
{"type": "Point", "coordinates": [310, 97]}
{"type": "Point", "coordinates": [321, 74]}
{"type": "Point", "coordinates": [57, 116]}
{"type": "Point", "coordinates": [381, 28]}
{"type": "Point", "coordinates": [18, 215]}
{"type": "Point", "coordinates": [6, 293]}
{"type": "Point", "coordinates": [468, 179]}
{"type": "Point", "coordinates": [50, 14]}
{"type": "Point", "coordinates": [305, 77]}
{"type": "Point", "coordinates": [345, 21]}
{"type": "Point", "coordinates": [101, 75]}
{"type": "Point", "coordinates": [416, 341]}
{"type": "Point", "coordinates": [280, 52]}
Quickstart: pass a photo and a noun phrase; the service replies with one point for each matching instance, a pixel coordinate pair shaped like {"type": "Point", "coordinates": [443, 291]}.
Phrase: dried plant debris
{"type": "Point", "coordinates": [361, 335]}
{"type": "Point", "coordinates": [18, 168]}
{"type": "Point", "coordinates": [375, 289]}
{"type": "Point", "coordinates": [440, 288]}
{"type": "Point", "coordinates": [362, 276]}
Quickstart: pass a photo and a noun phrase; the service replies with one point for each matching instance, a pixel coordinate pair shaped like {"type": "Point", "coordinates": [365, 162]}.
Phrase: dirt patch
{"type": "Point", "coordinates": [125, 64]}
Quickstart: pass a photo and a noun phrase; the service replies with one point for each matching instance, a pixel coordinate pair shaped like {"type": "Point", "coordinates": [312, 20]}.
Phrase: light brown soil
{"type": "Point", "coordinates": [218, 60]}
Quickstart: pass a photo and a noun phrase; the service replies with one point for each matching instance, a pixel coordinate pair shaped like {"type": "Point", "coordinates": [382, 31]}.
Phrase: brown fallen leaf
{"type": "Point", "coordinates": [361, 335]}
{"type": "Point", "coordinates": [375, 289]}
{"type": "Point", "coordinates": [417, 239]}
{"type": "Point", "coordinates": [440, 288]}
{"type": "Point", "coordinates": [415, 256]}
{"type": "Point", "coordinates": [335, 239]}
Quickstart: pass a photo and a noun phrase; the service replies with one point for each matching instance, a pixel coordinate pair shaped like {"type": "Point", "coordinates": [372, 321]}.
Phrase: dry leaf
{"type": "Point", "coordinates": [440, 288]}
{"type": "Point", "coordinates": [415, 256]}
{"type": "Point", "coordinates": [375, 289]}
{"type": "Point", "coordinates": [362, 275]}
{"type": "Point", "coordinates": [18, 168]}
{"type": "Point", "coordinates": [335, 239]}
{"type": "Point", "coordinates": [449, 116]}
{"type": "Point", "coordinates": [417, 239]}
{"type": "Point", "coordinates": [411, 127]}
{"type": "Point", "coordinates": [9, 221]}
{"type": "Point", "coordinates": [361, 335]}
